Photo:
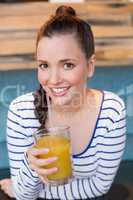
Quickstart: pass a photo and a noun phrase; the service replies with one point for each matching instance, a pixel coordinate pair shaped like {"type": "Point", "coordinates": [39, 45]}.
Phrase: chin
{"type": "Point", "coordinates": [61, 102]}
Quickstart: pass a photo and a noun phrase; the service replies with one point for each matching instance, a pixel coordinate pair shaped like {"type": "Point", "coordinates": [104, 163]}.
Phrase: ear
{"type": "Point", "coordinates": [91, 65]}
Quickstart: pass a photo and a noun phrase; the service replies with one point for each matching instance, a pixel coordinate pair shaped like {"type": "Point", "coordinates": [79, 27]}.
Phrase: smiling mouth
{"type": "Point", "coordinates": [59, 91]}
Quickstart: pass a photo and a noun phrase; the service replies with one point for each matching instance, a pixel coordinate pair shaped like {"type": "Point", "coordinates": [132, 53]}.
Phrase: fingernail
{"type": "Point", "coordinates": [54, 158]}
{"type": "Point", "coordinates": [46, 150]}
{"type": "Point", "coordinates": [55, 169]}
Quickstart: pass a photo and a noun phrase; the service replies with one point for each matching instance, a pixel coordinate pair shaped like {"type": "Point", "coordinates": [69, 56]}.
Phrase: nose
{"type": "Point", "coordinates": [54, 77]}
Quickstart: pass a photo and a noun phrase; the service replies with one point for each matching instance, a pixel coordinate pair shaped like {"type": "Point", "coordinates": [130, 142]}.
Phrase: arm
{"type": "Point", "coordinates": [25, 181]}
{"type": "Point", "coordinates": [110, 154]}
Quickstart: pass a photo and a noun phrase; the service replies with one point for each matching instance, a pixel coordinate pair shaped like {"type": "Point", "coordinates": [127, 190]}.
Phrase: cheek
{"type": "Point", "coordinates": [78, 77]}
{"type": "Point", "coordinates": [42, 77]}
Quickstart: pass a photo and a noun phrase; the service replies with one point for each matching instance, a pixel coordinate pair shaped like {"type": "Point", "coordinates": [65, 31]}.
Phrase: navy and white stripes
{"type": "Point", "coordinates": [94, 168]}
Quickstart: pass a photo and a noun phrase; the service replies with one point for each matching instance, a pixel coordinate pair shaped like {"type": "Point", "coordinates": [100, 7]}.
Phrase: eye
{"type": "Point", "coordinates": [43, 66]}
{"type": "Point", "coordinates": [69, 66]}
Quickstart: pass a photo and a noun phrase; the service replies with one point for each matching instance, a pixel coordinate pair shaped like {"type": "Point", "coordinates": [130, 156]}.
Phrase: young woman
{"type": "Point", "coordinates": [65, 56]}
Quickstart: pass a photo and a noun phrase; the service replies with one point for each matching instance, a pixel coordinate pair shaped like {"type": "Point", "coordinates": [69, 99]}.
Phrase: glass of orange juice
{"type": "Point", "coordinates": [57, 140]}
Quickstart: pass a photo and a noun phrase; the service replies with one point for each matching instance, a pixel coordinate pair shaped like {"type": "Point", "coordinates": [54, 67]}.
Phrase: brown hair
{"type": "Point", "coordinates": [64, 21]}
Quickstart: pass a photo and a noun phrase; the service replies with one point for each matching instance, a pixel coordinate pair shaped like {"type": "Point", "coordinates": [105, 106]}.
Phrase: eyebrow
{"type": "Point", "coordinates": [66, 60]}
{"type": "Point", "coordinates": [42, 61]}
{"type": "Point", "coordinates": [61, 61]}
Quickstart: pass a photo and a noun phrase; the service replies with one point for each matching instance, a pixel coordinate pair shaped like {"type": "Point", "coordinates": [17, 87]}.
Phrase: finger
{"type": "Point", "coordinates": [44, 179]}
{"type": "Point", "coordinates": [6, 181]}
{"type": "Point", "coordinates": [37, 152]}
{"type": "Point", "coordinates": [44, 162]}
{"type": "Point", "coordinates": [3, 187]}
{"type": "Point", "coordinates": [41, 162]}
{"type": "Point", "coordinates": [9, 193]}
{"type": "Point", "coordinates": [43, 171]}
{"type": "Point", "coordinates": [32, 159]}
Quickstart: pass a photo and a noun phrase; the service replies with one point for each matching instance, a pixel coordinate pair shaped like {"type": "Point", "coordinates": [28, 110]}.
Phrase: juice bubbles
{"type": "Point", "coordinates": [59, 145]}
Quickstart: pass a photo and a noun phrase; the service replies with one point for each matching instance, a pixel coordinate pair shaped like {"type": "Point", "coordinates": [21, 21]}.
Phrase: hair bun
{"type": "Point", "coordinates": [65, 10]}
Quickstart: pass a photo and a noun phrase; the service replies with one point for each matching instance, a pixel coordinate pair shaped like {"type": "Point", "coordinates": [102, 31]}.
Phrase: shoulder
{"type": "Point", "coordinates": [22, 109]}
{"type": "Point", "coordinates": [111, 99]}
{"type": "Point", "coordinates": [21, 115]}
{"type": "Point", "coordinates": [23, 105]}
{"type": "Point", "coordinates": [23, 101]}
{"type": "Point", "coordinates": [113, 107]}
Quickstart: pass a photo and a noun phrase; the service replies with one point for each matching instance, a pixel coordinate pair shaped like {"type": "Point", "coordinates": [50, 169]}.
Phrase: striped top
{"type": "Point", "coordinates": [94, 168]}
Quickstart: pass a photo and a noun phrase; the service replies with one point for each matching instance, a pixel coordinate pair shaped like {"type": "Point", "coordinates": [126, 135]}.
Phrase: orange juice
{"type": "Point", "coordinates": [58, 146]}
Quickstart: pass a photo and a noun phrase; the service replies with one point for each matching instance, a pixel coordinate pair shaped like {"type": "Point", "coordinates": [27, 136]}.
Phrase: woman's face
{"type": "Point", "coordinates": [63, 68]}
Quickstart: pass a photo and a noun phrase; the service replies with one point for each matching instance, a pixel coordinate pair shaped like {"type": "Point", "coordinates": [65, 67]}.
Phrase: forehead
{"type": "Point", "coordinates": [59, 44]}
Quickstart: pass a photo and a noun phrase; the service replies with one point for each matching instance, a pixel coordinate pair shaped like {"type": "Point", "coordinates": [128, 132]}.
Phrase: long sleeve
{"type": "Point", "coordinates": [26, 183]}
{"type": "Point", "coordinates": [94, 169]}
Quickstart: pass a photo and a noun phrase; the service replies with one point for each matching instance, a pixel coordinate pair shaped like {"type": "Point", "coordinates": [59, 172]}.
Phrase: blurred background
{"type": "Point", "coordinates": [112, 24]}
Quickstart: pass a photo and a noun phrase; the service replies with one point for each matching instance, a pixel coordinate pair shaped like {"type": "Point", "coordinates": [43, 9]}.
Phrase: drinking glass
{"type": "Point", "coordinates": [57, 140]}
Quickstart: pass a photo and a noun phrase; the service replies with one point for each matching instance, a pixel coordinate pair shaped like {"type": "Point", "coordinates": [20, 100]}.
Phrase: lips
{"type": "Point", "coordinates": [60, 91]}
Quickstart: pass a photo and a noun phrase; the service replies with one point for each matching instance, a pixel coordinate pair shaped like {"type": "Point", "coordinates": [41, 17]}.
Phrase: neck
{"type": "Point", "coordinates": [68, 115]}
{"type": "Point", "coordinates": [78, 104]}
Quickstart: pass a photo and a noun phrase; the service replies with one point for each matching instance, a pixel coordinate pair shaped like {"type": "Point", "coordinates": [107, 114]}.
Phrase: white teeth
{"type": "Point", "coordinates": [58, 90]}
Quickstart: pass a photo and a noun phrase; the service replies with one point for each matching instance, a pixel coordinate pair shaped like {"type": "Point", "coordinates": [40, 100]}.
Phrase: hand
{"type": "Point", "coordinates": [38, 164]}
{"type": "Point", "coordinates": [6, 186]}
